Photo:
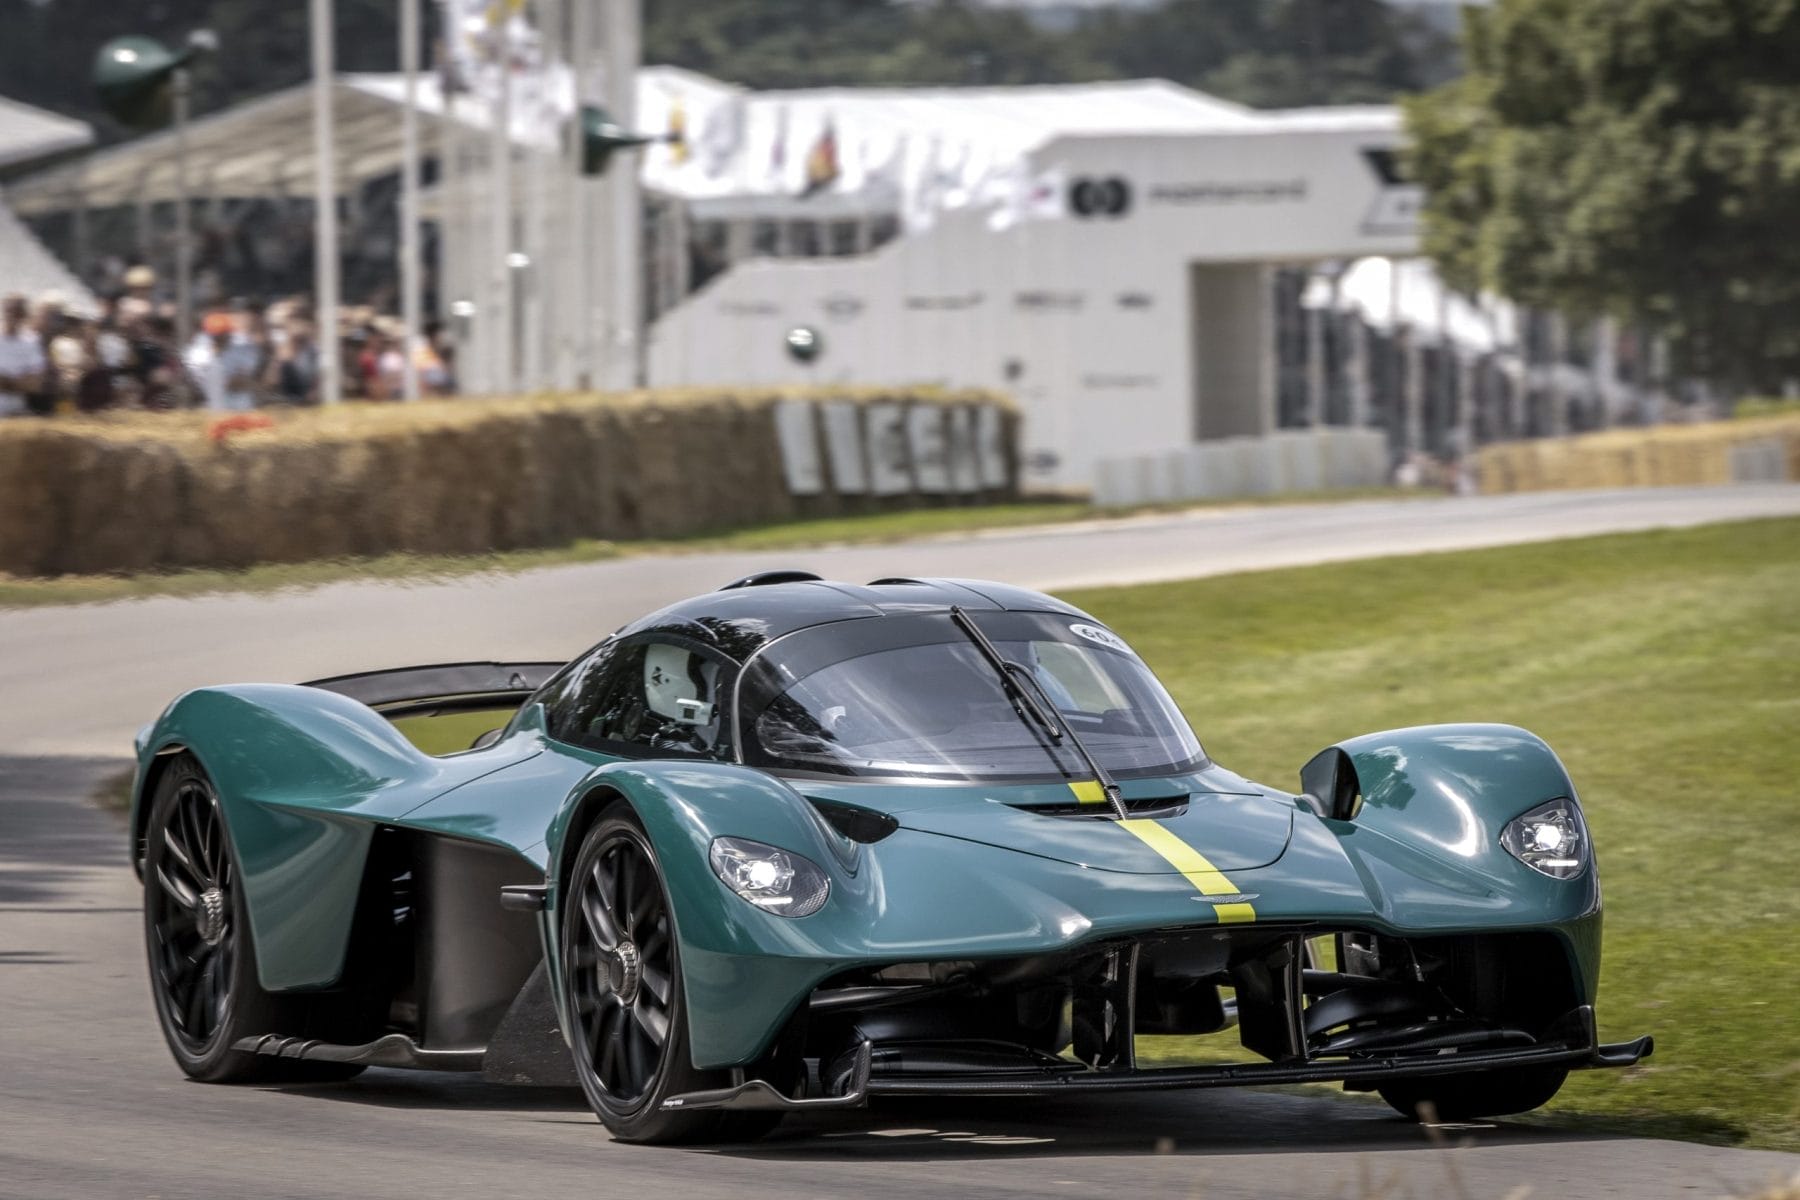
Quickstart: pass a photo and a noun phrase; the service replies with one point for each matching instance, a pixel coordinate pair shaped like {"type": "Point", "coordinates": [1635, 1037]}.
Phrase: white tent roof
{"type": "Point", "coordinates": [1409, 293]}
{"type": "Point", "coordinates": [30, 270]}
{"type": "Point", "coordinates": [261, 147]}
{"type": "Point", "coordinates": [27, 133]}
{"type": "Point", "coordinates": [756, 144]}
{"type": "Point", "coordinates": [743, 151]}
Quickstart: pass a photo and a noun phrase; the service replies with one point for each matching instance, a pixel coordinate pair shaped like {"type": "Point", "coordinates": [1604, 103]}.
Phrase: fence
{"type": "Point", "coordinates": [1298, 461]}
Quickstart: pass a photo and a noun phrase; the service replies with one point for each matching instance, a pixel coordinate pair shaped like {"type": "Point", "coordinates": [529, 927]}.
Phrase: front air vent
{"type": "Point", "coordinates": [1143, 806]}
{"type": "Point", "coordinates": [858, 824]}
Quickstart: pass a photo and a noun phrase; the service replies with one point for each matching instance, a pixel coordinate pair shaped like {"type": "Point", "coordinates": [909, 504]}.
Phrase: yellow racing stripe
{"type": "Point", "coordinates": [1194, 866]}
{"type": "Point", "coordinates": [1088, 791]}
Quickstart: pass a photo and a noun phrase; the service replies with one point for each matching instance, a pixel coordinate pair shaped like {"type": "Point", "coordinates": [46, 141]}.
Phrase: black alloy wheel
{"type": "Point", "coordinates": [623, 968]}
{"type": "Point", "coordinates": [201, 951]}
{"type": "Point", "coordinates": [621, 981]}
{"type": "Point", "coordinates": [190, 916]}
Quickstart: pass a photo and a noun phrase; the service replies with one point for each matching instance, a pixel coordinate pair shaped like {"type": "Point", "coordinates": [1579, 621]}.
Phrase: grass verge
{"type": "Point", "coordinates": [1663, 667]}
{"type": "Point", "coordinates": [873, 529]}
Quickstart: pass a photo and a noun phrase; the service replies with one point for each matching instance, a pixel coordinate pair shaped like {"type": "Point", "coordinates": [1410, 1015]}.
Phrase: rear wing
{"type": "Point", "coordinates": [406, 691]}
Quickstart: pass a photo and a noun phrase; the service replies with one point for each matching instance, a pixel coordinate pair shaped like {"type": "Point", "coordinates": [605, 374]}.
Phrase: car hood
{"type": "Point", "coordinates": [1181, 823]}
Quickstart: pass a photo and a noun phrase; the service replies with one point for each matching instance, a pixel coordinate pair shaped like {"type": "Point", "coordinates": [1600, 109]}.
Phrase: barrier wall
{"type": "Point", "coordinates": [1296, 461]}
{"type": "Point", "coordinates": [163, 491]}
{"type": "Point", "coordinates": [1738, 451]}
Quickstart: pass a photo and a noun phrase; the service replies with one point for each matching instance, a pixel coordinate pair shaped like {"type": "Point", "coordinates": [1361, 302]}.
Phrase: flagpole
{"type": "Point", "coordinates": [538, 275]}
{"type": "Point", "coordinates": [586, 255]}
{"type": "Point", "coordinates": [499, 319]}
{"type": "Point", "coordinates": [624, 357]}
{"type": "Point", "coordinates": [410, 298]}
{"type": "Point", "coordinates": [325, 234]}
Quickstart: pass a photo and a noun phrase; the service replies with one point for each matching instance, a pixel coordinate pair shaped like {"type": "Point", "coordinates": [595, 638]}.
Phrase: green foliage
{"type": "Point", "coordinates": [1765, 406]}
{"type": "Point", "coordinates": [1270, 52]}
{"type": "Point", "coordinates": [1639, 158]}
{"type": "Point", "coordinates": [1663, 667]}
{"type": "Point", "coordinates": [1282, 52]}
{"type": "Point", "coordinates": [47, 52]}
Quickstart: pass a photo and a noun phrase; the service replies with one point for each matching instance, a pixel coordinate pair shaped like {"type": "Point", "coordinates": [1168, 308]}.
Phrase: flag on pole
{"type": "Point", "coordinates": [778, 151]}
{"type": "Point", "coordinates": [1029, 196]}
{"type": "Point", "coordinates": [678, 145]}
{"type": "Point", "coordinates": [822, 161]}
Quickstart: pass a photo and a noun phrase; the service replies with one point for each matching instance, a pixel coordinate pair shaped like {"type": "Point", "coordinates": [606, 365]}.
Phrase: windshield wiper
{"type": "Point", "coordinates": [1025, 691]}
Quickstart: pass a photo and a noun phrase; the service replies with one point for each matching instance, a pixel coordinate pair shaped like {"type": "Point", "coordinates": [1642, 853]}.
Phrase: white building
{"type": "Point", "coordinates": [1148, 269]}
{"type": "Point", "coordinates": [1105, 252]}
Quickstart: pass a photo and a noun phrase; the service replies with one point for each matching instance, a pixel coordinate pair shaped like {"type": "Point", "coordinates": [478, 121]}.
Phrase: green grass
{"type": "Point", "coordinates": [874, 528]}
{"type": "Point", "coordinates": [1665, 670]}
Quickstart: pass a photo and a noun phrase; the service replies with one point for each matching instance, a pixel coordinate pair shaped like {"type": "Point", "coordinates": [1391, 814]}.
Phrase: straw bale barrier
{"type": "Point", "coordinates": [138, 492]}
{"type": "Point", "coordinates": [1743, 450]}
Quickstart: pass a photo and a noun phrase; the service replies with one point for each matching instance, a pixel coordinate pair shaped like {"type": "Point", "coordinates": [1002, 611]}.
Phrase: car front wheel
{"type": "Point", "coordinates": [621, 983]}
{"type": "Point", "coordinates": [200, 947]}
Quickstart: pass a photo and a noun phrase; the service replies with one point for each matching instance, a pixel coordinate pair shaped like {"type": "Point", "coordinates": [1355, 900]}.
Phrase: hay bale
{"type": "Point", "coordinates": [1663, 456]}
{"type": "Point", "coordinates": [135, 492]}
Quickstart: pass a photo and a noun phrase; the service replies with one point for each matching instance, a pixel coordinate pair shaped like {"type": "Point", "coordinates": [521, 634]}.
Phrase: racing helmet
{"type": "Point", "coordinates": [678, 684]}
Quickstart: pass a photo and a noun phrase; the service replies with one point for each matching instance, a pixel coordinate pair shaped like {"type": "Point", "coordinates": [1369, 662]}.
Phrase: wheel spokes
{"type": "Point", "coordinates": [653, 1022]}
{"type": "Point", "coordinates": [602, 927]}
{"type": "Point", "coordinates": [193, 946]}
{"type": "Point", "coordinates": [182, 857]}
{"type": "Point", "coordinates": [193, 841]}
{"type": "Point", "coordinates": [621, 970]}
{"type": "Point", "coordinates": [177, 891]}
{"type": "Point", "coordinates": [656, 983]}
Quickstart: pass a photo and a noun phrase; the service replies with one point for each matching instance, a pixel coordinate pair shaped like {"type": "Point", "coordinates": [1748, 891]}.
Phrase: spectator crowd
{"type": "Point", "coordinates": [243, 356]}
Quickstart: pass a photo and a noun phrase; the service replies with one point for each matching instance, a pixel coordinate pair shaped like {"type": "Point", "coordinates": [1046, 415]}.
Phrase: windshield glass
{"type": "Point", "coordinates": [912, 696]}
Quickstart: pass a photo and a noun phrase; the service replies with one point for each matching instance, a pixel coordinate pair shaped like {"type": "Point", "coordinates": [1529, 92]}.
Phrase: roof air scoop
{"type": "Point", "coordinates": [762, 578]}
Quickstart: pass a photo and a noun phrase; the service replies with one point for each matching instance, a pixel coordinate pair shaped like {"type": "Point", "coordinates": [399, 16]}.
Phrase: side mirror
{"type": "Point", "coordinates": [1329, 783]}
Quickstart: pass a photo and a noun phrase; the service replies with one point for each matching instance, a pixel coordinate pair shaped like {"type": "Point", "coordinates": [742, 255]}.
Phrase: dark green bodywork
{"type": "Point", "coordinates": [305, 776]}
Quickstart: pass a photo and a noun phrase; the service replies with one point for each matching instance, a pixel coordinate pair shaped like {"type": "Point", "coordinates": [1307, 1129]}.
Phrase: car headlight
{"type": "Point", "coordinates": [1551, 838]}
{"type": "Point", "coordinates": [777, 881]}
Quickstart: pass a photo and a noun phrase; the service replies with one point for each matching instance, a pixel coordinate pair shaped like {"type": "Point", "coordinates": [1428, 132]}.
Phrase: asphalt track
{"type": "Point", "coordinates": [91, 1106]}
{"type": "Point", "coordinates": [81, 680]}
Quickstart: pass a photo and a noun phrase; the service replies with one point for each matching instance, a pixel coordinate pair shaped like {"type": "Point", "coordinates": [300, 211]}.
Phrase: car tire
{"type": "Point", "coordinates": [1477, 1094]}
{"type": "Point", "coordinates": [200, 948]}
{"type": "Point", "coordinates": [622, 992]}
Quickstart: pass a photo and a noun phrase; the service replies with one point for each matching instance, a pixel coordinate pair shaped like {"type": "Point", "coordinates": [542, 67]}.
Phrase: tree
{"type": "Point", "coordinates": [1636, 158]}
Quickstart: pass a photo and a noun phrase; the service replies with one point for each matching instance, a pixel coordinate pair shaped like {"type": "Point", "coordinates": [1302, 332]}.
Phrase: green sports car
{"type": "Point", "coordinates": [799, 844]}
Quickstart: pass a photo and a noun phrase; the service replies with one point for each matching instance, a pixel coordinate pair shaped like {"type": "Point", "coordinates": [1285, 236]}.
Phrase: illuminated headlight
{"type": "Point", "coordinates": [1550, 838]}
{"type": "Point", "coordinates": [774, 880]}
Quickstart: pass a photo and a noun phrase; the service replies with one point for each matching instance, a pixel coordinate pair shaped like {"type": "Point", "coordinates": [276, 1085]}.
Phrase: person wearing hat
{"type": "Point", "coordinates": [22, 361]}
{"type": "Point", "coordinates": [140, 282]}
{"type": "Point", "coordinates": [223, 364]}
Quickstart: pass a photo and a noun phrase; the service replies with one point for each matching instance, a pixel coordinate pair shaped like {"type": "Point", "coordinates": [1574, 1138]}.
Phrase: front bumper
{"type": "Point", "coordinates": [1577, 1048]}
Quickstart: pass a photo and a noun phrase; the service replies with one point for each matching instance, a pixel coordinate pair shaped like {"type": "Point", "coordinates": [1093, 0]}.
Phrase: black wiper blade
{"type": "Point", "coordinates": [1017, 693]}
{"type": "Point", "coordinates": [1020, 684]}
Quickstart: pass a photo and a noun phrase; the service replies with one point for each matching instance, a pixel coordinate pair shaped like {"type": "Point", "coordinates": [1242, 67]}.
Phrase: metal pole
{"type": "Point", "coordinates": [587, 255]}
{"type": "Point", "coordinates": [184, 244]}
{"type": "Point", "coordinates": [624, 359]}
{"type": "Point", "coordinates": [1559, 351]}
{"type": "Point", "coordinates": [410, 315]}
{"type": "Point", "coordinates": [502, 333]}
{"type": "Point", "coordinates": [325, 233]}
{"type": "Point", "coordinates": [1314, 319]}
{"type": "Point", "coordinates": [539, 279]}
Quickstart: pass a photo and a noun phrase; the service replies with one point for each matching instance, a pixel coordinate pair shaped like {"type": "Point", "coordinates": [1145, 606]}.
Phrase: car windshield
{"type": "Point", "coordinates": [912, 696]}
